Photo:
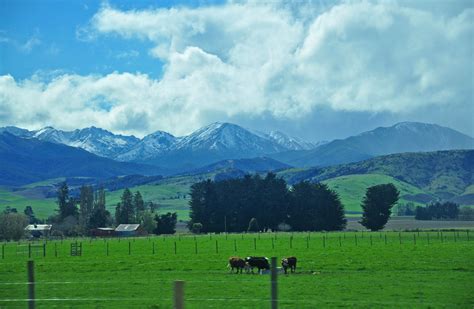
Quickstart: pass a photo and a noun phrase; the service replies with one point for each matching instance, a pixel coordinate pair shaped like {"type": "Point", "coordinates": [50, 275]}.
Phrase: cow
{"type": "Point", "coordinates": [237, 263]}
{"type": "Point", "coordinates": [289, 262]}
{"type": "Point", "coordinates": [258, 262]}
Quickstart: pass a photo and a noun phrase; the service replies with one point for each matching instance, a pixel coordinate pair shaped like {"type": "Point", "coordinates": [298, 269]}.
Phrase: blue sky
{"type": "Point", "coordinates": [316, 69]}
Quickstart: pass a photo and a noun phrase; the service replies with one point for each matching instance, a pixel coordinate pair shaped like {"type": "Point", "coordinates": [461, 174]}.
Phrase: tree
{"type": "Point", "coordinates": [377, 204]}
{"type": "Point", "coordinates": [30, 214]}
{"type": "Point", "coordinates": [86, 205]}
{"type": "Point", "coordinates": [67, 205]}
{"type": "Point", "coordinates": [166, 224]}
{"type": "Point", "coordinates": [125, 210]}
{"type": "Point", "coordinates": [139, 206]}
{"type": "Point", "coordinates": [315, 207]}
{"type": "Point", "coordinates": [12, 226]}
{"type": "Point", "coordinates": [196, 228]}
{"type": "Point", "coordinates": [446, 210]}
{"type": "Point", "coordinates": [147, 222]}
{"type": "Point", "coordinates": [253, 225]}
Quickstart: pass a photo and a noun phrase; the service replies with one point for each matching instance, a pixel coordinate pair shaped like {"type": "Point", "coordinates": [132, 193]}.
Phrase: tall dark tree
{"type": "Point", "coordinates": [125, 210]}
{"type": "Point", "coordinates": [67, 204]}
{"type": "Point", "coordinates": [86, 205]}
{"type": "Point", "coordinates": [139, 206]}
{"type": "Point", "coordinates": [100, 216]}
{"type": "Point", "coordinates": [377, 205]}
{"type": "Point", "coordinates": [314, 207]}
{"type": "Point", "coordinates": [166, 224]}
{"type": "Point", "coordinates": [30, 214]}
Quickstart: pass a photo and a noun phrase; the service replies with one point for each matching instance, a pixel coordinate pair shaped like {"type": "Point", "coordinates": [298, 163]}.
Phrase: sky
{"type": "Point", "coordinates": [317, 70]}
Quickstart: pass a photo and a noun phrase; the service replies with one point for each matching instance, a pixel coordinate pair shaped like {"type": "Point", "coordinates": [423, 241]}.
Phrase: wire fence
{"type": "Point", "coordinates": [199, 261]}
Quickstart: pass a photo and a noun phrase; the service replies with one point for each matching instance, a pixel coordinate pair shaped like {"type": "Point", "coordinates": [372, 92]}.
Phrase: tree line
{"type": "Point", "coordinates": [230, 205]}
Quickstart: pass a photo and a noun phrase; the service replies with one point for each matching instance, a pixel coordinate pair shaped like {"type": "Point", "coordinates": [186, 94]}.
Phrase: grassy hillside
{"type": "Point", "coordinates": [352, 188]}
{"type": "Point", "coordinates": [43, 207]}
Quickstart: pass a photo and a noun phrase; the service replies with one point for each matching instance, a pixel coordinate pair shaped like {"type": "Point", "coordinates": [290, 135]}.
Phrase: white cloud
{"type": "Point", "coordinates": [252, 59]}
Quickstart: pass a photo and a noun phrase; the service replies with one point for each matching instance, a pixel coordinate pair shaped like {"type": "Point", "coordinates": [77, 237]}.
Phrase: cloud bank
{"type": "Point", "coordinates": [246, 59]}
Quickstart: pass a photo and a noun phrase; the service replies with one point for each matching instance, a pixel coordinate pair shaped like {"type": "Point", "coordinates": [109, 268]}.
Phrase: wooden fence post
{"type": "Point", "coordinates": [274, 287]}
{"type": "Point", "coordinates": [179, 294]}
{"type": "Point", "coordinates": [235, 245]}
{"type": "Point", "coordinates": [129, 248]}
{"type": "Point", "coordinates": [255, 243]}
{"type": "Point", "coordinates": [31, 285]}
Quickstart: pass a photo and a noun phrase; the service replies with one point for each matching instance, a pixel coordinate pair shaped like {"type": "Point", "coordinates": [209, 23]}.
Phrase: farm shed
{"type": "Point", "coordinates": [38, 230]}
{"type": "Point", "coordinates": [103, 232]}
{"type": "Point", "coordinates": [125, 230]}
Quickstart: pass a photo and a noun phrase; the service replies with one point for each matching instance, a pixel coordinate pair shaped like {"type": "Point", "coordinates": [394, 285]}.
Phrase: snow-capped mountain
{"type": "Point", "coordinates": [399, 138]}
{"type": "Point", "coordinates": [221, 136]}
{"type": "Point", "coordinates": [289, 142]}
{"type": "Point", "coordinates": [95, 140]}
{"type": "Point", "coordinates": [150, 146]}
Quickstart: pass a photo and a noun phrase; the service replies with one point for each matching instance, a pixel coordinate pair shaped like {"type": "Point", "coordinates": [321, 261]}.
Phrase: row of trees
{"type": "Point", "coordinates": [229, 205]}
{"type": "Point", "coordinates": [437, 211]}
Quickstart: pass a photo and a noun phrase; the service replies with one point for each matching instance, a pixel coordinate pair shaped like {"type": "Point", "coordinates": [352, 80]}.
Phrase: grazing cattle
{"type": "Point", "coordinates": [237, 263]}
{"type": "Point", "coordinates": [289, 262]}
{"type": "Point", "coordinates": [258, 262]}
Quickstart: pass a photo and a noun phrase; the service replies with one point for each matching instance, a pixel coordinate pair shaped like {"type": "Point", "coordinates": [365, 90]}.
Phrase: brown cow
{"type": "Point", "coordinates": [237, 263]}
{"type": "Point", "coordinates": [289, 262]}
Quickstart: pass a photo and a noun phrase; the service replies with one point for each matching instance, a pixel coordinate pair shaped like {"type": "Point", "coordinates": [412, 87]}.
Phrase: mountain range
{"type": "Point", "coordinates": [162, 153]}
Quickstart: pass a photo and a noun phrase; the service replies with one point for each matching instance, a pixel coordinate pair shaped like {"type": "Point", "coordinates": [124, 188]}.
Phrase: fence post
{"type": "Point", "coordinates": [291, 242]}
{"type": "Point", "coordinates": [255, 243]}
{"type": "Point", "coordinates": [44, 249]}
{"type": "Point", "coordinates": [355, 239]}
{"type": "Point", "coordinates": [235, 245]}
{"type": "Point", "coordinates": [273, 279]}
{"type": "Point", "coordinates": [153, 247]}
{"type": "Point", "coordinates": [31, 285]}
{"type": "Point", "coordinates": [273, 244]}
{"type": "Point", "coordinates": [195, 247]}
{"type": "Point", "coordinates": [29, 250]}
{"type": "Point", "coordinates": [179, 294]}
{"type": "Point", "coordinates": [3, 251]}
{"type": "Point", "coordinates": [217, 247]}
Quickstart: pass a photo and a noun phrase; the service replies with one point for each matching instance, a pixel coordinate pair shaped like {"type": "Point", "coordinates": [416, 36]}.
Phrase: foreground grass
{"type": "Point", "coordinates": [362, 270]}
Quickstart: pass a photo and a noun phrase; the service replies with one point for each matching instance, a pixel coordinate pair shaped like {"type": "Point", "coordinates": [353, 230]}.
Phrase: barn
{"type": "Point", "coordinates": [126, 230]}
{"type": "Point", "coordinates": [103, 232]}
{"type": "Point", "coordinates": [38, 230]}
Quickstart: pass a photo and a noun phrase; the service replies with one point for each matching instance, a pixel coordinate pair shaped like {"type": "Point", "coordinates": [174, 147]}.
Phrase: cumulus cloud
{"type": "Point", "coordinates": [251, 59]}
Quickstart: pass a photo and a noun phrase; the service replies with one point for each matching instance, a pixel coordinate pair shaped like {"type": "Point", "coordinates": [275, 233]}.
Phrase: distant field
{"type": "Point", "coordinates": [352, 188]}
{"type": "Point", "coordinates": [42, 207]}
{"type": "Point", "coordinates": [357, 270]}
{"type": "Point", "coordinates": [172, 194]}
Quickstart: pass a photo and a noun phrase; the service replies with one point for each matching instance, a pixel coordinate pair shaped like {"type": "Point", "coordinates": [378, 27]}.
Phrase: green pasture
{"type": "Point", "coordinates": [357, 269]}
{"type": "Point", "coordinates": [352, 188]}
{"type": "Point", "coordinates": [42, 207]}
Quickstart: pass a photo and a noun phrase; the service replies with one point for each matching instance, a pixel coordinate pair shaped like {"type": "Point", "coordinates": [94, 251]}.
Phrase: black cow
{"type": "Point", "coordinates": [258, 262]}
{"type": "Point", "coordinates": [289, 262]}
{"type": "Point", "coordinates": [237, 263]}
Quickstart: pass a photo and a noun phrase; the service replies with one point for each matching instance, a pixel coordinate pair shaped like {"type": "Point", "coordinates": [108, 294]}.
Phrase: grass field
{"type": "Point", "coordinates": [352, 188]}
{"type": "Point", "coordinates": [42, 207]}
{"type": "Point", "coordinates": [361, 270]}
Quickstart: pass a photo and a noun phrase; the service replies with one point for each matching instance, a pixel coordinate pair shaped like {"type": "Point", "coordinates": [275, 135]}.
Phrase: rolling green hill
{"type": "Point", "coordinates": [420, 177]}
{"type": "Point", "coordinates": [351, 189]}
